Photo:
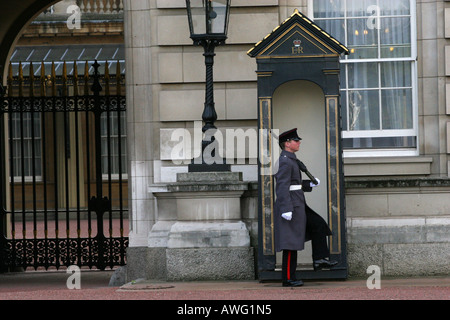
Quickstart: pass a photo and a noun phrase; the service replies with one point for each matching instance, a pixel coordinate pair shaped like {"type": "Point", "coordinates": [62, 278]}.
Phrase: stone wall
{"type": "Point", "coordinates": [399, 223]}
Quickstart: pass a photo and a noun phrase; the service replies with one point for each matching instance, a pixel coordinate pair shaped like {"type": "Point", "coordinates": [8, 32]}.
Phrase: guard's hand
{"type": "Point", "coordinates": [287, 215]}
{"type": "Point", "coordinates": [311, 184]}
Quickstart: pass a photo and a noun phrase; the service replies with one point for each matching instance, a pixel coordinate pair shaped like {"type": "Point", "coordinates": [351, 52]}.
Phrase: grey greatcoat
{"type": "Point", "coordinates": [292, 234]}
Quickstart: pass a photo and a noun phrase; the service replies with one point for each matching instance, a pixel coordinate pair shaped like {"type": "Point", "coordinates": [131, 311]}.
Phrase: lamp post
{"type": "Point", "coordinates": [208, 26]}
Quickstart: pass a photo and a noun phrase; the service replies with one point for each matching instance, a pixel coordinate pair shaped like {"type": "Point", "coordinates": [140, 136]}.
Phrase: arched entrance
{"type": "Point", "coordinates": [13, 18]}
{"type": "Point", "coordinates": [62, 131]}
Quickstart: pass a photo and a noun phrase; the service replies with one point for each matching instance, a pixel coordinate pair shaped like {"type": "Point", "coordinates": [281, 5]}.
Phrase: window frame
{"type": "Point", "coordinates": [113, 140]}
{"type": "Point", "coordinates": [380, 133]}
{"type": "Point", "coordinates": [17, 140]}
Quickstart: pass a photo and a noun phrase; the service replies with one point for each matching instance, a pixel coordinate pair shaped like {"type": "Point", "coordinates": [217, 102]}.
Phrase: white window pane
{"type": "Point", "coordinates": [396, 74]}
{"type": "Point", "coordinates": [364, 112]}
{"type": "Point", "coordinates": [363, 75]}
{"type": "Point", "coordinates": [344, 111]}
{"type": "Point", "coordinates": [329, 8]}
{"type": "Point", "coordinates": [395, 7]}
{"type": "Point", "coordinates": [381, 142]}
{"type": "Point", "coordinates": [395, 37]}
{"type": "Point", "coordinates": [336, 27]}
{"type": "Point", "coordinates": [362, 41]}
{"type": "Point", "coordinates": [110, 147]}
{"type": "Point", "coordinates": [397, 113]}
{"type": "Point", "coordinates": [359, 8]}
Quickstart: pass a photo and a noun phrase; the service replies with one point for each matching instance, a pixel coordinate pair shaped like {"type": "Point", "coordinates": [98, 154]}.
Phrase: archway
{"type": "Point", "coordinates": [14, 17]}
{"type": "Point", "coordinates": [61, 140]}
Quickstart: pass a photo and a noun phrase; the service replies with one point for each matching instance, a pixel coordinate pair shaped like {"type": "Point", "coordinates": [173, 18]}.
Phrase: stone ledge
{"type": "Point", "coordinates": [396, 182]}
{"type": "Point", "coordinates": [207, 187]}
{"type": "Point", "coordinates": [203, 182]}
{"type": "Point", "coordinates": [209, 177]}
{"type": "Point", "coordinates": [387, 166]}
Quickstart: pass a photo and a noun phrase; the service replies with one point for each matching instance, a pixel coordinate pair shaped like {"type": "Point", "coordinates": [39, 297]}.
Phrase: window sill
{"type": "Point", "coordinates": [387, 166]}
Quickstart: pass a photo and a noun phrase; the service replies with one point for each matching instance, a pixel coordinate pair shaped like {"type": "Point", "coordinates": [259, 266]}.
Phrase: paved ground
{"type": "Point", "coordinates": [94, 286]}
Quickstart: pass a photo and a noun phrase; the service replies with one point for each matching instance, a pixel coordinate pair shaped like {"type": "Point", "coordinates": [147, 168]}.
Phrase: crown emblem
{"type": "Point", "coordinates": [297, 42]}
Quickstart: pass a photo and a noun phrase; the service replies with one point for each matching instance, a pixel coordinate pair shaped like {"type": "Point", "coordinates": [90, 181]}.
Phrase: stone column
{"type": "Point", "coordinates": [140, 126]}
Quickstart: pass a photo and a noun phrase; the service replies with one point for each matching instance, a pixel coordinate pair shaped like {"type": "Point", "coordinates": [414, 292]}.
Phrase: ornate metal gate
{"type": "Point", "coordinates": [63, 183]}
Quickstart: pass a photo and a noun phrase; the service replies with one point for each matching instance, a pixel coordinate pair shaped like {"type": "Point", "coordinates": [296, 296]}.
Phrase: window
{"type": "Point", "coordinates": [26, 160]}
{"type": "Point", "coordinates": [378, 77]}
{"type": "Point", "coordinates": [114, 144]}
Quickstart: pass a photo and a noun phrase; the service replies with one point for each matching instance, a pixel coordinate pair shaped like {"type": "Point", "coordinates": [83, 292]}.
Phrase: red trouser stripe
{"type": "Point", "coordinates": [289, 266]}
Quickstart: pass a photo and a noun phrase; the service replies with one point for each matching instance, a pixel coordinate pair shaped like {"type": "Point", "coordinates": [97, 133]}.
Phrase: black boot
{"type": "Point", "coordinates": [288, 268]}
{"type": "Point", "coordinates": [323, 264]}
{"type": "Point", "coordinates": [292, 283]}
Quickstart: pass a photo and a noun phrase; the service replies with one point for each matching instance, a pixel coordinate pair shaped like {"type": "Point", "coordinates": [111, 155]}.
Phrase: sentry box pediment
{"type": "Point", "coordinates": [297, 37]}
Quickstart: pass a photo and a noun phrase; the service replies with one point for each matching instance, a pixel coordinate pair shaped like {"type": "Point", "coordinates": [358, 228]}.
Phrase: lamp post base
{"type": "Point", "coordinates": [208, 239]}
{"type": "Point", "coordinates": [203, 167]}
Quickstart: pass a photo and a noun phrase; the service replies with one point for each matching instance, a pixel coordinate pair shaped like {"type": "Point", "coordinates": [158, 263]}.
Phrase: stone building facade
{"type": "Point", "coordinates": [397, 204]}
{"type": "Point", "coordinates": [396, 174]}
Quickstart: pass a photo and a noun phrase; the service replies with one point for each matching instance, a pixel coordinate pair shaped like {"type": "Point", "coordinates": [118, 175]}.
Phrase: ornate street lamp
{"type": "Point", "coordinates": [208, 25]}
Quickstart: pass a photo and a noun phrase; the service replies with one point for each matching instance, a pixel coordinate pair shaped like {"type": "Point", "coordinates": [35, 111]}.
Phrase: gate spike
{"type": "Point", "coordinates": [96, 86]}
{"type": "Point", "coordinates": [106, 78]}
{"type": "Point", "coordinates": [118, 79]}
{"type": "Point", "coordinates": [64, 80]}
{"type": "Point", "coordinates": [53, 79]}
{"type": "Point", "coordinates": [42, 78]}
{"type": "Point", "coordinates": [31, 80]}
{"type": "Point", "coordinates": [10, 80]}
{"type": "Point", "coordinates": [20, 80]}
{"type": "Point", "coordinates": [75, 79]}
{"type": "Point", "coordinates": [86, 78]}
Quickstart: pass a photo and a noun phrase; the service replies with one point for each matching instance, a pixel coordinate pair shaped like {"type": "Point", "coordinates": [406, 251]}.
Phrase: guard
{"type": "Point", "coordinates": [295, 222]}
